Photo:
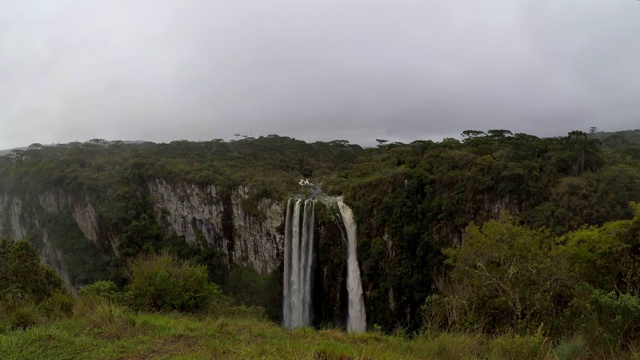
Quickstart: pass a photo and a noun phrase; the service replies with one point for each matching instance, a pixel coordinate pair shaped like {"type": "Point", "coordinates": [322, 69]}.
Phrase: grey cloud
{"type": "Point", "coordinates": [316, 70]}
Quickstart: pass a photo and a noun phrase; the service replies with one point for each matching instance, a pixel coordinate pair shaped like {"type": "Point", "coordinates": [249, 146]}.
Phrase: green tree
{"type": "Point", "coordinates": [23, 276]}
{"type": "Point", "coordinates": [585, 152]}
{"type": "Point", "coordinates": [504, 276]}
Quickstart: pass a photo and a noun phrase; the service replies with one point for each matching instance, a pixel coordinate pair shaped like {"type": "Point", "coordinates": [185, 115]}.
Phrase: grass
{"type": "Point", "coordinates": [102, 329]}
{"type": "Point", "coordinates": [117, 334]}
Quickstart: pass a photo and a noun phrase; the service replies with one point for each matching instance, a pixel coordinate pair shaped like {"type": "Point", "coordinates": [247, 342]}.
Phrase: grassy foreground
{"type": "Point", "coordinates": [169, 310]}
{"type": "Point", "coordinates": [110, 331]}
{"type": "Point", "coordinates": [113, 332]}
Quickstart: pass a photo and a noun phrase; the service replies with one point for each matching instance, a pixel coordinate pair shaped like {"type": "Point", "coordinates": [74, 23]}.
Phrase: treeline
{"type": "Point", "coordinates": [90, 165]}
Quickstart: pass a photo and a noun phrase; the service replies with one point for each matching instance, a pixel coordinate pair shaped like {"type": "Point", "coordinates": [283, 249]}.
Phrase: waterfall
{"type": "Point", "coordinates": [298, 264]}
{"type": "Point", "coordinates": [297, 306]}
{"type": "Point", "coordinates": [357, 320]}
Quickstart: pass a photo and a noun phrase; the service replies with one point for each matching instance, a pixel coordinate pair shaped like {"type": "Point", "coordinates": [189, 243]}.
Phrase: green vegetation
{"type": "Point", "coordinates": [115, 333]}
{"type": "Point", "coordinates": [497, 246]}
{"type": "Point", "coordinates": [178, 321]}
{"type": "Point", "coordinates": [413, 201]}
{"type": "Point", "coordinates": [114, 177]}
{"type": "Point", "coordinates": [507, 278]}
{"type": "Point", "coordinates": [163, 283]}
{"type": "Point", "coordinates": [22, 276]}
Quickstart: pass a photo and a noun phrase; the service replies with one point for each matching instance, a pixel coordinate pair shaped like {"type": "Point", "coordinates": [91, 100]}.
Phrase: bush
{"type": "Point", "coordinates": [434, 313]}
{"type": "Point", "coordinates": [24, 317]}
{"type": "Point", "coordinates": [516, 347]}
{"type": "Point", "coordinates": [59, 304]}
{"type": "Point", "coordinates": [106, 314]}
{"type": "Point", "coordinates": [606, 319]}
{"type": "Point", "coordinates": [572, 349]}
{"type": "Point", "coordinates": [163, 283]}
{"type": "Point", "coordinates": [104, 289]}
{"type": "Point", "coordinates": [454, 346]}
{"type": "Point", "coordinates": [23, 277]}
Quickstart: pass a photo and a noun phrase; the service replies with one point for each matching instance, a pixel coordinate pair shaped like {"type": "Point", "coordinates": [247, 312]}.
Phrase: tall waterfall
{"type": "Point", "coordinates": [357, 320]}
{"type": "Point", "coordinates": [297, 308]}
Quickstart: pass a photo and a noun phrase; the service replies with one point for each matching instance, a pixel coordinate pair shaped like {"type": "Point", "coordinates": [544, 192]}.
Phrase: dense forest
{"type": "Point", "coordinates": [495, 232]}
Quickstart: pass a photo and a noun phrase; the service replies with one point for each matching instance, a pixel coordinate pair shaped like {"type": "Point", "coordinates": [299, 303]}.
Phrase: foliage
{"type": "Point", "coordinates": [595, 253]}
{"type": "Point", "coordinates": [108, 330]}
{"type": "Point", "coordinates": [60, 304]}
{"type": "Point", "coordinates": [22, 276]}
{"type": "Point", "coordinates": [100, 291]}
{"type": "Point", "coordinates": [516, 347]}
{"type": "Point", "coordinates": [507, 277]}
{"type": "Point", "coordinates": [29, 291]}
{"type": "Point", "coordinates": [106, 314]}
{"type": "Point", "coordinates": [156, 335]}
{"type": "Point", "coordinates": [164, 283]}
{"type": "Point", "coordinates": [106, 289]}
{"type": "Point", "coordinates": [453, 346]}
{"type": "Point", "coordinates": [503, 277]}
{"type": "Point", "coordinates": [24, 317]}
{"type": "Point", "coordinates": [575, 348]}
{"type": "Point", "coordinates": [69, 241]}
{"type": "Point", "coordinates": [606, 257]}
{"type": "Point", "coordinates": [607, 319]}
{"type": "Point", "coordinates": [248, 287]}
{"type": "Point", "coordinates": [410, 201]}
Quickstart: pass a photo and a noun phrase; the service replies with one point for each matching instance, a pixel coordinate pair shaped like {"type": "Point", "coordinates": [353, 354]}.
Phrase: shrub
{"type": "Point", "coordinates": [516, 347]}
{"type": "Point", "coordinates": [104, 289]}
{"type": "Point", "coordinates": [250, 288]}
{"type": "Point", "coordinates": [106, 314]}
{"type": "Point", "coordinates": [24, 317]}
{"type": "Point", "coordinates": [454, 346]}
{"type": "Point", "coordinates": [572, 349]}
{"type": "Point", "coordinates": [606, 319]}
{"type": "Point", "coordinates": [433, 313]}
{"type": "Point", "coordinates": [23, 277]}
{"type": "Point", "coordinates": [163, 283]}
{"type": "Point", "coordinates": [59, 304]}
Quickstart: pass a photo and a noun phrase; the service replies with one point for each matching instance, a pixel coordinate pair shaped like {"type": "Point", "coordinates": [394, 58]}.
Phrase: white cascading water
{"type": "Point", "coordinates": [297, 307]}
{"type": "Point", "coordinates": [357, 320]}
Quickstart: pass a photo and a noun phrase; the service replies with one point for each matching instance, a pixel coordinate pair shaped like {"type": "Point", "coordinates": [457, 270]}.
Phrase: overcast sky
{"type": "Point", "coordinates": [401, 70]}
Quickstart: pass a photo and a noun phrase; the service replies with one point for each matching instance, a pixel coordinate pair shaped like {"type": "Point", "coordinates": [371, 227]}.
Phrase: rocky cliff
{"type": "Point", "coordinates": [245, 229]}
{"type": "Point", "coordinates": [246, 234]}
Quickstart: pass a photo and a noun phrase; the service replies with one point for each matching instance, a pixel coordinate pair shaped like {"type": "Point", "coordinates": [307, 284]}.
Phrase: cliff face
{"type": "Point", "coordinates": [202, 215]}
{"type": "Point", "coordinates": [83, 212]}
{"type": "Point", "coordinates": [10, 213]}
{"type": "Point", "coordinates": [206, 215]}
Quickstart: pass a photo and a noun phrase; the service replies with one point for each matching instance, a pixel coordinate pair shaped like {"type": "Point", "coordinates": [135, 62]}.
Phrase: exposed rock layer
{"type": "Point", "coordinates": [245, 229]}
